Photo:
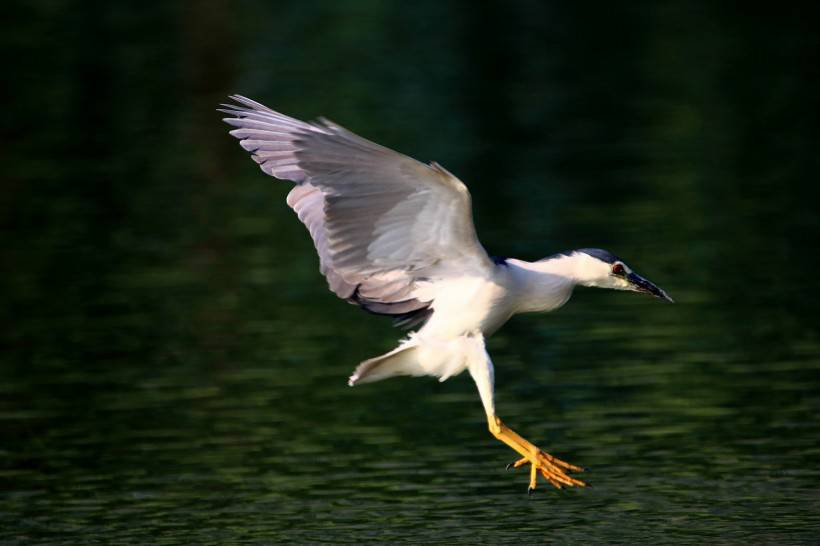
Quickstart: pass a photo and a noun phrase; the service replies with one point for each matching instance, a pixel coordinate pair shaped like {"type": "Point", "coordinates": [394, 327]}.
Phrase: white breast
{"type": "Point", "coordinates": [463, 305]}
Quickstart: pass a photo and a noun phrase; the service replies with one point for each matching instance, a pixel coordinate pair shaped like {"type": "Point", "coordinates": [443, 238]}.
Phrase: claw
{"type": "Point", "coordinates": [518, 463]}
{"type": "Point", "coordinates": [552, 469]}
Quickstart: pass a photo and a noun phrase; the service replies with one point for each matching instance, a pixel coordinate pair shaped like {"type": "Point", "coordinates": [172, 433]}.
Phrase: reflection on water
{"type": "Point", "coordinates": [174, 369]}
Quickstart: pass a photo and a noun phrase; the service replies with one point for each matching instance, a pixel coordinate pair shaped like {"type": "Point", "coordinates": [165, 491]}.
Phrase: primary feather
{"type": "Point", "coordinates": [381, 222]}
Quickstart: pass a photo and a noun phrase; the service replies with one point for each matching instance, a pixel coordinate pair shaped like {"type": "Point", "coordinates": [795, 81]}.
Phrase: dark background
{"type": "Point", "coordinates": [173, 368]}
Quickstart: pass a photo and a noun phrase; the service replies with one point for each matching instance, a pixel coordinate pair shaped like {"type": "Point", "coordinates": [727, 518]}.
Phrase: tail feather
{"type": "Point", "coordinates": [400, 361]}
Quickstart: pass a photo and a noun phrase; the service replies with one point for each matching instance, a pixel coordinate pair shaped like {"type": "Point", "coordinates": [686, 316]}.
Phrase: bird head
{"type": "Point", "coordinates": [602, 269]}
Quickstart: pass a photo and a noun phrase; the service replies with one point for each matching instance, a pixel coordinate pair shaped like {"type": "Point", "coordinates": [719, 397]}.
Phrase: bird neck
{"type": "Point", "coordinates": [543, 285]}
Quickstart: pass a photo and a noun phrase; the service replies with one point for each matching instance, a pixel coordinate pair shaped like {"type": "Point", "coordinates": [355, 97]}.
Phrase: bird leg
{"type": "Point", "coordinates": [554, 470]}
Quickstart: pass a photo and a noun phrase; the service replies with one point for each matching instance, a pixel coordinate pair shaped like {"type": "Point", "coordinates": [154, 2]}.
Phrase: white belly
{"type": "Point", "coordinates": [465, 310]}
{"type": "Point", "coordinates": [465, 305]}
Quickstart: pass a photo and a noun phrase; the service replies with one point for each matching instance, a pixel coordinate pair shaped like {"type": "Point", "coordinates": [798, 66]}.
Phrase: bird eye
{"type": "Point", "coordinates": [618, 269]}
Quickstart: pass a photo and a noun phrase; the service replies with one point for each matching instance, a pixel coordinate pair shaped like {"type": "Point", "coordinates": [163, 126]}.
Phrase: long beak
{"type": "Point", "coordinates": [639, 284]}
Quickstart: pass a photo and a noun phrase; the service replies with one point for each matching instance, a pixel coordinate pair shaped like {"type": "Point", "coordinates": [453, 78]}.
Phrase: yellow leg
{"type": "Point", "coordinates": [553, 470]}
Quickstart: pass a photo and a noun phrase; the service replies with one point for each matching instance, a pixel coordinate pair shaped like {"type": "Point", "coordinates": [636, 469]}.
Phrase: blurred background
{"type": "Point", "coordinates": [173, 367]}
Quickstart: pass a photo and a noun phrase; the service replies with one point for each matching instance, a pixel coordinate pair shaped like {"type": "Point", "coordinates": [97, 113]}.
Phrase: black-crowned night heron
{"type": "Point", "coordinates": [396, 237]}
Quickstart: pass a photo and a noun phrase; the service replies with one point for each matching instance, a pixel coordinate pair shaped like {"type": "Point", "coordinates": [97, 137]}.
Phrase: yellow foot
{"type": "Point", "coordinates": [552, 469]}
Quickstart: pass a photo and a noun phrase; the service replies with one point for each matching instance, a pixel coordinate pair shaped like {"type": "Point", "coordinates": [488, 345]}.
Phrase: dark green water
{"type": "Point", "coordinates": [173, 368]}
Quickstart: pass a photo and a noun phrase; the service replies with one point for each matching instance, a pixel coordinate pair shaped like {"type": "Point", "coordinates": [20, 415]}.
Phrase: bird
{"type": "Point", "coordinates": [395, 236]}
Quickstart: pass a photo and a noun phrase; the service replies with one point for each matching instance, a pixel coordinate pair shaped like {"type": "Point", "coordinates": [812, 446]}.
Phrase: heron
{"type": "Point", "coordinates": [395, 236]}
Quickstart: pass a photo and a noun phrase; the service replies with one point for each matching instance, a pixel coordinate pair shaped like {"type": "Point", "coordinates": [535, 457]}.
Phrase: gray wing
{"type": "Point", "coordinates": [380, 221]}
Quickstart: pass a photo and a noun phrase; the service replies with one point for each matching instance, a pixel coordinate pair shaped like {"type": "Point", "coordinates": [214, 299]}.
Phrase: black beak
{"type": "Point", "coordinates": [639, 284]}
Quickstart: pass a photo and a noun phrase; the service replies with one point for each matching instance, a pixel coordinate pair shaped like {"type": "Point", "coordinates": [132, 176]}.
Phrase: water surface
{"type": "Point", "coordinates": [173, 368]}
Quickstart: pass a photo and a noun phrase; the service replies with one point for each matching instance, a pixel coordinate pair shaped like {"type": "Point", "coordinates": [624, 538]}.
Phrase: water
{"type": "Point", "coordinates": [173, 369]}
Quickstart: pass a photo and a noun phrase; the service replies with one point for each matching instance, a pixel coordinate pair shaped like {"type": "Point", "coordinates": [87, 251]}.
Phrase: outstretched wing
{"type": "Point", "coordinates": [380, 221]}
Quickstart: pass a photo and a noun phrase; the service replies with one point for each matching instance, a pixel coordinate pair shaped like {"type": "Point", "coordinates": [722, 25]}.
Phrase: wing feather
{"type": "Point", "coordinates": [380, 221]}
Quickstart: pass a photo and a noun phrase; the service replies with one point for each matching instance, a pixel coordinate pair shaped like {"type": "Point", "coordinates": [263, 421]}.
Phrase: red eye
{"type": "Point", "coordinates": [618, 269]}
